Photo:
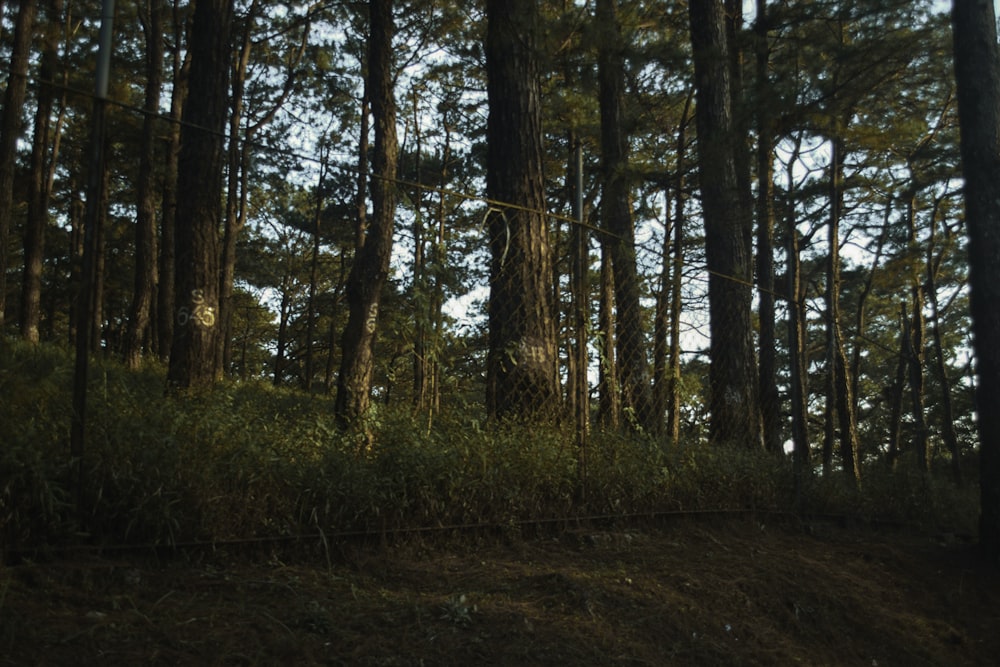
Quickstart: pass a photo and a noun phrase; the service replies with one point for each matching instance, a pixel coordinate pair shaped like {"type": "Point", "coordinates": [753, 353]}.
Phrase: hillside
{"type": "Point", "coordinates": [697, 591]}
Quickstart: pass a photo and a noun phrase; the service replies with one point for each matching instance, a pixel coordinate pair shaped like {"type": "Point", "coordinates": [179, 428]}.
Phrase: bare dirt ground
{"type": "Point", "coordinates": [691, 592]}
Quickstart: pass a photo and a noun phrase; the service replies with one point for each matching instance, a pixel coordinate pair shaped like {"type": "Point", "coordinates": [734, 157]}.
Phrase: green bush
{"type": "Point", "coordinates": [244, 460]}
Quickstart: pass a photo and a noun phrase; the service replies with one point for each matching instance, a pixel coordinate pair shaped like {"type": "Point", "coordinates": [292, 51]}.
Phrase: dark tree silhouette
{"type": "Point", "coordinates": [977, 72]}
{"type": "Point", "coordinates": [735, 411]}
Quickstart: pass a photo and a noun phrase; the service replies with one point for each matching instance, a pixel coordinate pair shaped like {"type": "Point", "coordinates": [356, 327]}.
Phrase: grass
{"type": "Point", "coordinates": [247, 460]}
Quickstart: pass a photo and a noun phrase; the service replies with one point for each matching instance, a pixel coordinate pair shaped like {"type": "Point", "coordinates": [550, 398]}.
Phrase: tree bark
{"type": "Point", "coordinates": [915, 342]}
{"type": "Point", "coordinates": [307, 380]}
{"type": "Point", "coordinates": [977, 72]}
{"type": "Point", "coordinates": [281, 343]}
{"type": "Point", "coordinates": [38, 184]}
{"type": "Point", "coordinates": [947, 410]}
{"type": "Point", "coordinates": [839, 401]}
{"type": "Point", "coordinates": [616, 214]}
{"type": "Point", "coordinates": [237, 158]}
{"type": "Point", "coordinates": [661, 317]}
{"type": "Point", "coordinates": [77, 208]}
{"type": "Point", "coordinates": [734, 403]}
{"type": "Point", "coordinates": [439, 261]}
{"type": "Point", "coordinates": [578, 390]}
{"type": "Point", "coordinates": [192, 354]}
{"type": "Point", "coordinates": [145, 223]}
{"type": "Point", "coordinates": [677, 278]}
{"type": "Point", "coordinates": [859, 312]}
{"type": "Point", "coordinates": [896, 391]}
{"type": "Point", "coordinates": [10, 132]}
{"type": "Point", "coordinates": [167, 250]}
{"type": "Point", "coordinates": [522, 374]}
{"type": "Point", "coordinates": [371, 263]}
{"type": "Point", "coordinates": [915, 368]}
{"type": "Point", "coordinates": [422, 315]}
{"type": "Point", "coordinates": [770, 402]}
{"type": "Point", "coordinates": [361, 195]}
{"type": "Point", "coordinates": [609, 398]}
{"type": "Point", "coordinates": [95, 315]}
{"type": "Point", "coordinates": [798, 362]}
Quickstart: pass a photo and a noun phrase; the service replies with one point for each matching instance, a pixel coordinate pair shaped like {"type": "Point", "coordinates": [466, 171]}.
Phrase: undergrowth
{"type": "Point", "coordinates": [245, 460]}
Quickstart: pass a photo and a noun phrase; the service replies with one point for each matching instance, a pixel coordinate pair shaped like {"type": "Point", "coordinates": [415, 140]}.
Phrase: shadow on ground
{"type": "Point", "coordinates": [687, 593]}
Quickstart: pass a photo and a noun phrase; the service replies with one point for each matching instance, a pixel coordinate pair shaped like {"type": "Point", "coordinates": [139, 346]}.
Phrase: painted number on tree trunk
{"type": "Point", "coordinates": [200, 313]}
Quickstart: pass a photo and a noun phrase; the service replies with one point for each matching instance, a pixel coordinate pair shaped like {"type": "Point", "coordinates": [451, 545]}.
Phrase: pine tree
{"type": "Point", "coordinates": [977, 71]}
{"type": "Point", "coordinates": [522, 378]}
{"type": "Point", "coordinates": [192, 355]}
{"type": "Point", "coordinates": [371, 263]}
{"type": "Point", "coordinates": [734, 405]}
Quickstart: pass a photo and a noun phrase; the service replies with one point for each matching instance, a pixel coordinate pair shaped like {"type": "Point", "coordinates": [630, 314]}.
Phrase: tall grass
{"type": "Point", "coordinates": [248, 460]}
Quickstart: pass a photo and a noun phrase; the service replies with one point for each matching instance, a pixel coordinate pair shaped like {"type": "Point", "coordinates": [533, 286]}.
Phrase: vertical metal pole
{"type": "Point", "coordinates": [92, 218]}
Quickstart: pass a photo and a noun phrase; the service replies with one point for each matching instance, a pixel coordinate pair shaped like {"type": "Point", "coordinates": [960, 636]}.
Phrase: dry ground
{"type": "Point", "coordinates": [692, 592]}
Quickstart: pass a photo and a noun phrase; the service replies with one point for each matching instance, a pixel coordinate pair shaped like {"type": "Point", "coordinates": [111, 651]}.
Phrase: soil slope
{"type": "Point", "coordinates": [690, 592]}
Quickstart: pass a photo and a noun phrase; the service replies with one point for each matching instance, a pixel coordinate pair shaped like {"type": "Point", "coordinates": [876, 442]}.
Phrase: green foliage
{"type": "Point", "coordinates": [904, 496]}
{"type": "Point", "coordinates": [33, 462]}
{"type": "Point", "coordinates": [245, 460]}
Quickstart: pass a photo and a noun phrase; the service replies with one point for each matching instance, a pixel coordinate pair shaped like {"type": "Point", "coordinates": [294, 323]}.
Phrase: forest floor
{"type": "Point", "coordinates": [689, 592]}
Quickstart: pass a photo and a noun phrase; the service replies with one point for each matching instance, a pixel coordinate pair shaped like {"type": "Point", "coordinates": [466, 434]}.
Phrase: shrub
{"type": "Point", "coordinates": [244, 460]}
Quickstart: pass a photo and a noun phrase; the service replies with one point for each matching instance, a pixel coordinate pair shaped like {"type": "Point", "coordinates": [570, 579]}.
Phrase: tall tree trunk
{"type": "Point", "coordinates": [145, 223]}
{"type": "Point", "coordinates": [331, 357]}
{"type": "Point", "coordinates": [420, 287]}
{"type": "Point", "coordinates": [770, 402]}
{"type": "Point", "coordinates": [192, 355]}
{"type": "Point", "coordinates": [609, 398]}
{"type": "Point", "coordinates": [38, 184]}
{"type": "Point", "coordinates": [55, 301]}
{"type": "Point", "coordinates": [859, 312]}
{"type": "Point", "coordinates": [734, 404]}
{"type": "Point", "coordinates": [839, 402]}
{"type": "Point", "coordinates": [522, 365]}
{"type": "Point", "coordinates": [977, 71]}
{"type": "Point", "coordinates": [237, 158]}
{"type": "Point", "coordinates": [165, 298]}
{"type": "Point", "coordinates": [307, 381]}
{"type": "Point", "coordinates": [797, 351]}
{"type": "Point", "coordinates": [336, 298]}
{"type": "Point", "coordinates": [361, 195]}
{"type": "Point", "coordinates": [616, 214]}
{"type": "Point", "coordinates": [798, 361]}
{"type": "Point", "coordinates": [742, 117]}
{"type": "Point", "coordinates": [439, 261]}
{"type": "Point", "coordinates": [661, 316]}
{"type": "Point", "coordinates": [677, 278]}
{"type": "Point", "coordinates": [896, 391]}
{"type": "Point", "coordinates": [947, 410]}
{"type": "Point", "coordinates": [97, 276]}
{"type": "Point", "coordinates": [10, 132]}
{"type": "Point", "coordinates": [845, 415]}
{"type": "Point", "coordinates": [281, 344]}
{"type": "Point", "coordinates": [371, 263]}
{"type": "Point", "coordinates": [77, 208]}
{"type": "Point", "coordinates": [915, 344]}
{"type": "Point", "coordinates": [579, 384]}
